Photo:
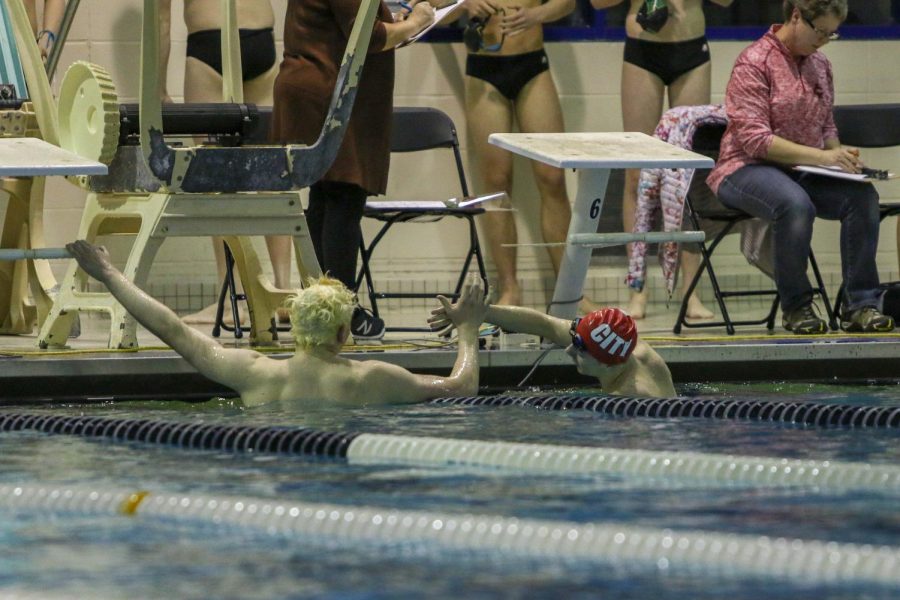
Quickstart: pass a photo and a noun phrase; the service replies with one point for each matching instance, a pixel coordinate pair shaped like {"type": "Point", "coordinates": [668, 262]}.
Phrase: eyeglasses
{"type": "Point", "coordinates": [823, 35]}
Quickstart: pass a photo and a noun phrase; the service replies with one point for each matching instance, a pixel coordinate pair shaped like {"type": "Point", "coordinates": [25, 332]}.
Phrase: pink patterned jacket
{"type": "Point", "coordinates": [771, 93]}
{"type": "Point", "coordinates": [663, 191]}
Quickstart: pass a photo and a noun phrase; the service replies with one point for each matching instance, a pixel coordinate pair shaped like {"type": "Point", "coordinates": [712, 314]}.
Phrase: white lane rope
{"type": "Point", "coordinates": [611, 543]}
{"type": "Point", "coordinates": [369, 448]}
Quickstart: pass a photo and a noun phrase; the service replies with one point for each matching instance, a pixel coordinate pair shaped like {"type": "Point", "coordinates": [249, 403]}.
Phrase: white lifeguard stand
{"type": "Point", "coordinates": [164, 191]}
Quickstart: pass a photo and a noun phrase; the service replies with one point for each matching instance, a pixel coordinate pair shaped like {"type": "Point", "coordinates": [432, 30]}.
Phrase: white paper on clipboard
{"type": "Point", "coordinates": [838, 173]}
{"type": "Point", "coordinates": [439, 16]}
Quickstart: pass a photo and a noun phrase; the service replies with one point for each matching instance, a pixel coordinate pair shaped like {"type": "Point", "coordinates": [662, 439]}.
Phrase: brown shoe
{"type": "Point", "coordinates": [804, 321]}
{"type": "Point", "coordinates": [866, 320]}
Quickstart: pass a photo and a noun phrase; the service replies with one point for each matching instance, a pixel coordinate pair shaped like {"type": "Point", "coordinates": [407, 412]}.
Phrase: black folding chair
{"type": "Point", "coordinates": [416, 129]}
{"type": "Point", "coordinates": [706, 141]}
{"type": "Point", "coordinates": [868, 126]}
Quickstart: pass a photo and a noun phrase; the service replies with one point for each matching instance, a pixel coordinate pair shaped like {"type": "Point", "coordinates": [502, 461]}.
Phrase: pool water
{"type": "Point", "coordinates": [71, 555]}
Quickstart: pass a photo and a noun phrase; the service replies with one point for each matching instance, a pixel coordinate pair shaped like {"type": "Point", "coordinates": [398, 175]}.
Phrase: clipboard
{"type": "Point", "coordinates": [439, 15]}
{"type": "Point", "coordinates": [839, 173]}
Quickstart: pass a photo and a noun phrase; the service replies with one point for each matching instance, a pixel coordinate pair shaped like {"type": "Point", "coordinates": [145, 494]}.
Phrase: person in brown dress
{"type": "Point", "coordinates": [315, 36]}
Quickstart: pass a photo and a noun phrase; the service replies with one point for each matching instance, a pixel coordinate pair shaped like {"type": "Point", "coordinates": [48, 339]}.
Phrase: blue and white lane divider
{"type": "Point", "coordinates": [372, 448]}
{"type": "Point", "coordinates": [610, 543]}
{"type": "Point", "coordinates": [586, 460]}
{"type": "Point", "coordinates": [811, 414]}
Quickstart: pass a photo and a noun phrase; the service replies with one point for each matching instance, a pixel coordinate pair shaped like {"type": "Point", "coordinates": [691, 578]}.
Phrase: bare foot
{"type": "Point", "coordinates": [696, 310]}
{"type": "Point", "coordinates": [207, 316]}
{"type": "Point", "coordinates": [509, 296]}
{"type": "Point", "coordinates": [586, 305]}
{"type": "Point", "coordinates": [637, 305]}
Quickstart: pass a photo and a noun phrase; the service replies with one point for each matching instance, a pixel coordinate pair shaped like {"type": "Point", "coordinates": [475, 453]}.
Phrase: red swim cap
{"type": "Point", "coordinates": [608, 334]}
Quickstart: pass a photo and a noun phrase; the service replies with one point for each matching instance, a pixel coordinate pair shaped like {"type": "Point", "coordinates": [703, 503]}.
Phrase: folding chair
{"type": "Point", "coordinates": [416, 129]}
{"type": "Point", "coordinates": [706, 141]}
{"type": "Point", "coordinates": [869, 126]}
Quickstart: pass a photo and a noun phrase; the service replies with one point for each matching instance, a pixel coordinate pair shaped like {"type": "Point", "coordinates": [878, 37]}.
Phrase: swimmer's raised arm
{"type": "Point", "coordinates": [467, 315]}
{"type": "Point", "coordinates": [227, 366]}
{"type": "Point", "coordinates": [516, 319]}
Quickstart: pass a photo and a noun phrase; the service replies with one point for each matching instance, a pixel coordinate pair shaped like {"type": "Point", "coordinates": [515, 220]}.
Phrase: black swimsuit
{"type": "Point", "coordinates": [509, 73]}
{"type": "Point", "coordinates": [667, 60]}
{"type": "Point", "coordinates": [257, 50]}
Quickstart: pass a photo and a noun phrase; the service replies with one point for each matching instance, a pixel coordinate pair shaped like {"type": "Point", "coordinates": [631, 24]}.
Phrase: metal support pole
{"type": "Point", "coordinates": [585, 217]}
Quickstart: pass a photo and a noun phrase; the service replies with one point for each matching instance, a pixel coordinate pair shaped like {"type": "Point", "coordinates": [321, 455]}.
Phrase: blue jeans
{"type": "Point", "coordinates": [791, 201]}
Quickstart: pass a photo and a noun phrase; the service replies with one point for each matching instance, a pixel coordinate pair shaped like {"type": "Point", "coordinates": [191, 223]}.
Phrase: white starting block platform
{"type": "Point", "coordinates": [31, 157]}
{"type": "Point", "coordinates": [594, 155]}
{"type": "Point", "coordinates": [25, 282]}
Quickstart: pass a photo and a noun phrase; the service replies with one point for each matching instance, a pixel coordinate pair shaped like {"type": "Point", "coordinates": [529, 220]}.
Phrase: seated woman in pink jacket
{"type": "Point", "coordinates": [779, 103]}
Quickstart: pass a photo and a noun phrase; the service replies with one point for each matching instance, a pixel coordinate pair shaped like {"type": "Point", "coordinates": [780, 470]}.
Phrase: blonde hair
{"type": "Point", "coordinates": [318, 311]}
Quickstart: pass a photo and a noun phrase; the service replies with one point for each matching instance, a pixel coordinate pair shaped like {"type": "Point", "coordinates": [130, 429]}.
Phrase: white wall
{"type": "Point", "coordinates": [587, 74]}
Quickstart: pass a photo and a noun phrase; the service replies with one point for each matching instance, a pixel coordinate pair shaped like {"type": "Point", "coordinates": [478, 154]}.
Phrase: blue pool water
{"type": "Point", "coordinates": [113, 557]}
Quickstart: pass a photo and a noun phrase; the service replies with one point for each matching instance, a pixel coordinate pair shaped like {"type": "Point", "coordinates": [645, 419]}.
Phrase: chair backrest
{"type": "Point", "coordinates": [417, 128]}
{"type": "Point", "coordinates": [868, 125]}
{"type": "Point", "coordinates": [707, 139]}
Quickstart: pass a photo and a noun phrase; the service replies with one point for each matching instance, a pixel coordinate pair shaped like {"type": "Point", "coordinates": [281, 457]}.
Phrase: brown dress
{"type": "Point", "coordinates": [315, 37]}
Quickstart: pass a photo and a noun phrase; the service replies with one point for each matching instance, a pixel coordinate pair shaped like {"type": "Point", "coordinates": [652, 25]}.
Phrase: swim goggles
{"type": "Point", "coordinates": [577, 342]}
{"type": "Point", "coordinates": [653, 15]}
{"type": "Point", "coordinates": [473, 36]}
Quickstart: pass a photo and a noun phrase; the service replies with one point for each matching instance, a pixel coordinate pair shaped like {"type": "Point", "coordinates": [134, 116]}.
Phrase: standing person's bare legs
{"type": "Point", "coordinates": [487, 112]}
{"type": "Point", "coordinates": [259, 91]}
{"type": "Point", "coordinates": [203, 84]}
{"type": "Point", "coordinates": [642, 104]}
{"type": "Point", "coordinates": [538, 111]}
{"type": "Point", "coordinates": [692, 89]}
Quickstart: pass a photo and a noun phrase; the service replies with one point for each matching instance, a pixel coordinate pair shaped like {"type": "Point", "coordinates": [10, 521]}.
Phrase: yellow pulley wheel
{"type": "Point", "coordinates": [88, 109]}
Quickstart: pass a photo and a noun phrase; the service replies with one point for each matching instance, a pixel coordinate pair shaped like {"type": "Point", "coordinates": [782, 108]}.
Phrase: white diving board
{"type": "Point", "coordinates": [594, 155]}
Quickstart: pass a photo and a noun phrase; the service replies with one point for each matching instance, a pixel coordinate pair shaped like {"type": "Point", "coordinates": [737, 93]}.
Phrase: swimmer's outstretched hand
{"type": "Point", "coordinates": [468, 311]}
{"type": "Point", "coordinates": [93, 259]}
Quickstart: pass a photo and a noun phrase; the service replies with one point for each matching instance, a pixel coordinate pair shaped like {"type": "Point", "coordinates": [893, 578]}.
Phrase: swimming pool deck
{"type": "Point", "coordinates": [88, 371]}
